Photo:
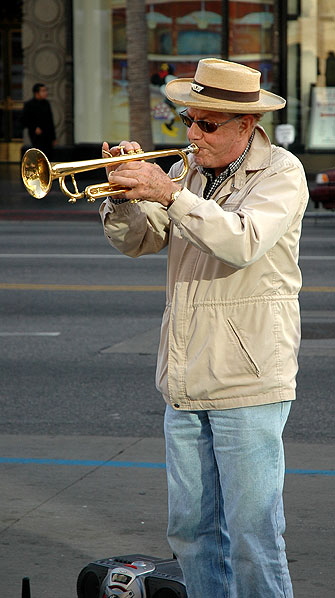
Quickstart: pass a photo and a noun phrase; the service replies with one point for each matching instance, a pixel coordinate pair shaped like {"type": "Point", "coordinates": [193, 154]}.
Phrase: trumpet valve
{"type": "Point", "coordinates": [134, 152]}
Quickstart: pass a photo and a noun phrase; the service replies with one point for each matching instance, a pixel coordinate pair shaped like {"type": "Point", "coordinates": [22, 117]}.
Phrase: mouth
{"type": "Point", "coordinates": [200, 151]}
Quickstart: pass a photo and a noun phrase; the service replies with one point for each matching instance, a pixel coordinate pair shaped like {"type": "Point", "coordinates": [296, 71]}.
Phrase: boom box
{"type": "Point", "coordinates": [131, 576]}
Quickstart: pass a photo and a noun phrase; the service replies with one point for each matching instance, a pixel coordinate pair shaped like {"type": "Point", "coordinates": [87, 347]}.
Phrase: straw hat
{"type": "Point", "coordinates": [223, 86]}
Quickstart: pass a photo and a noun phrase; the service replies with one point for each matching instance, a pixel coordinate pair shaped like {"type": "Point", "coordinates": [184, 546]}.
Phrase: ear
{"type": "Point", "coordinates": [246, 124]}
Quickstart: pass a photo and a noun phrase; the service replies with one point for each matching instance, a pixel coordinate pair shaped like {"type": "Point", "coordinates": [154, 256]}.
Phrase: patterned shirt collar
{"type": "Point", "coordinates": [214, 182]}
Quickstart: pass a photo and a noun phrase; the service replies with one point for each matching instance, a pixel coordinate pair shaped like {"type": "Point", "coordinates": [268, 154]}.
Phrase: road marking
{"type": "Point", "coordinates": [29, 333]}
{"type": "Point", "coordinates": [317, 257]}
{"type": "Point", "coordinates": [81, 463]}
{"type": "Point", "coordinates": [79, 287]}
{"type": "Point", "coordinates": [114, 287]}
{"type": "Point", "coordinates": [307, 238]}
{"type": "Point", "coordinates": [81, 256]}
{"type": "Point", "coordinates": [311, 471]}
{"type": "Point", "coordinates": [138, 464]}
{"type": "Point", "coordinates": [118, 256]}
{"type": "Point", "coordinates": [318, 289]}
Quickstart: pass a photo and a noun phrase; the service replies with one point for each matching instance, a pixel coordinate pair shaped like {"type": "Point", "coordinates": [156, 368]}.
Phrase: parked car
{"type": "Point", "coordinates": [323, 190]}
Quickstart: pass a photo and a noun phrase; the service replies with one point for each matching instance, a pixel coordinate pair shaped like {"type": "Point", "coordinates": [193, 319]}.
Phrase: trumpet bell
{"type": "Point", "coordinates": [36, 173]}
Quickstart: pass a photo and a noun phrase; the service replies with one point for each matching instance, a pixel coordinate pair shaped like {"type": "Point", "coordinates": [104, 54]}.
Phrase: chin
{"type": "Point", "coordinates": [201, 161]}
{"type": "Point", "coordinates": [200, 157]}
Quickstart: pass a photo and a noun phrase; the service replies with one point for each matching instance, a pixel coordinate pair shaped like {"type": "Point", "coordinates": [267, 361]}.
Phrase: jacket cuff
{"type": "Point", "coordinates": [185, 203]}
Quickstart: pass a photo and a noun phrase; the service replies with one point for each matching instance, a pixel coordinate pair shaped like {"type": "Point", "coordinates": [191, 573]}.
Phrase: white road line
{"type": "Point", "coordinates": [80, 256]}
{"type": "Point", "coordinates": [29, 333]}
{"type": "Point", "coordinates": [317, 257]}
{"type": "Point", "coordinates": [306, 238]}
{"type": "Point", "coordinates": [97, 256]}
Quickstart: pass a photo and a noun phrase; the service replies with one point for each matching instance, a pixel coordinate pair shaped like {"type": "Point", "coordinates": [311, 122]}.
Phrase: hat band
{"type": "Point", "coordinates": [225, 94]}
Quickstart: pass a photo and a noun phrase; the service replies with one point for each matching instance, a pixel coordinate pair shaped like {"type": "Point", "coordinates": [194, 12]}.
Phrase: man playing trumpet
{"type": "Point", "coordinates": [227, 360]}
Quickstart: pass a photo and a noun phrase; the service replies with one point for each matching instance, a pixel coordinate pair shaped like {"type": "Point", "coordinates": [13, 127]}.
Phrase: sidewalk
{"type": "Point", "coordinates": [17, 204]}
{"type": "Point", "coordinates": [71, 500]}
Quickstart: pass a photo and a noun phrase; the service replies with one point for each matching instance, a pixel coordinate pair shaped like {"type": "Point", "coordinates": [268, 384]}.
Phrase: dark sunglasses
{"type": "Point", "coordinates": [206, 126]}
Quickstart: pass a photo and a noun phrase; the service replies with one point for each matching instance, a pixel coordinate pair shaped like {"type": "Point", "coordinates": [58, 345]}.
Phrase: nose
{"type": "Point", "coordinates": [194, 132]}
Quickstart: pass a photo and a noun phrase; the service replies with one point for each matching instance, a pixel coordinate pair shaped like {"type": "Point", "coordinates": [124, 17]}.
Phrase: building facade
{"type": "Point", "coordinates": [78, 49]}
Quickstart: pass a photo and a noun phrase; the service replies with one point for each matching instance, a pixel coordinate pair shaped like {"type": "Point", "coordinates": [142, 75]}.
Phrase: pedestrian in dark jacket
{"type": "Point", "coordinates": [38, 119]}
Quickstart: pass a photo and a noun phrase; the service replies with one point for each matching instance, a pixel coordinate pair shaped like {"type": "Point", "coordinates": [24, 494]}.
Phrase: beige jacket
{"type": "Point", "coordinates": [231, 327]}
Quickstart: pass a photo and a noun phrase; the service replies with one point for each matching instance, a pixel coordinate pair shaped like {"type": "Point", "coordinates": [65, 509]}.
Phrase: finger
{"type": "Point", "coordinates": [105, 150]}
{"type": "Point", "coordinates": [123, 179]}
{"type": "Point", "coordinates": [110, 152]}
{"type": "Point", "coordinates": [128, 167]}
{"type": "Point", "coordinates": [106, 153]}
{"type": "Point", "coordinates": [129, 146]}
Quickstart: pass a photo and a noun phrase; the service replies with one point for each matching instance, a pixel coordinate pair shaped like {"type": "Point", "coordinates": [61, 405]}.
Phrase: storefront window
{"type": "Point", "coordinates": [179, 35]}
{"type": "Point", "coordinates": [251, 35]}
{"type": "Point", "coordinates": [10, 84]}
{"type": "Point", "coordinates": [182, 32]}
{"type": "Point", "coordinates": [311, 73]}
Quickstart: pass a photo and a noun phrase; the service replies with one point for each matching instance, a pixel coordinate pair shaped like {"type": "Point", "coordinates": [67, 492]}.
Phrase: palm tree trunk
{"type": "Point", "coordinates": [138, 74]}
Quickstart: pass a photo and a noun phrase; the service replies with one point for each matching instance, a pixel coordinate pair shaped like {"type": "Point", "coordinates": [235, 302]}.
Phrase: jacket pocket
{"type": "Point", "coordinates": [246, 353]}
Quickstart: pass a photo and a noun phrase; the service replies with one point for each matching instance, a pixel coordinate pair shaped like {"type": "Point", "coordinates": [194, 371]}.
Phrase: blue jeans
{"type": "Point", "coordinates": [225, 472]}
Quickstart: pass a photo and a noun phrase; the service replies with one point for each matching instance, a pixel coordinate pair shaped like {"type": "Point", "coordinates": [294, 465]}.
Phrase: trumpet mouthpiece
{"type": "Point", "coordinates": [192, 149]}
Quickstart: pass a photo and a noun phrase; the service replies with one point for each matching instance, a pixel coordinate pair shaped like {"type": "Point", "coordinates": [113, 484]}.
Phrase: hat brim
{"type": "Point", "coordinates": [179, 91]}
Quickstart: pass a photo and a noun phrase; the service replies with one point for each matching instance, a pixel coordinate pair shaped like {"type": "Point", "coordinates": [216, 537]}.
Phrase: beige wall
{"type": "Point", "coordinates": [44, 54]}
{"type": "Point", "coordinates": [92, 70]}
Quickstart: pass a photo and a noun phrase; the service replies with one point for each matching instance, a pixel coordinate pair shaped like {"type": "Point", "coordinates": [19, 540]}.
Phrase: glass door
{"type": "Point", "coordinates": [11, 103]}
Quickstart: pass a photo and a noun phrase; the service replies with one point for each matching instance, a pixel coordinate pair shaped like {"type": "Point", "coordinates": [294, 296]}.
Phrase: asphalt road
{"type": "Point", "coordinates": [80, 326]}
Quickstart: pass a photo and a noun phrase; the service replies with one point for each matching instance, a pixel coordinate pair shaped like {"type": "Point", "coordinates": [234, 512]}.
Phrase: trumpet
{"type": "Point", "coordinates": [38, 173]}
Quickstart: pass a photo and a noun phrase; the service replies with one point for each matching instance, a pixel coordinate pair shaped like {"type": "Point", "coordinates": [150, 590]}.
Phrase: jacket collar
{"type": "Point", "coordinates": [258, 157]}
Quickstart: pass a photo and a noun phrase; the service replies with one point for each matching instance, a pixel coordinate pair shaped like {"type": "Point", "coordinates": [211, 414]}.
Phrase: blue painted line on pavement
{"type": "Point", "coordinates": [311, 471]}
{"type": "Point", "coordinates": [139, 464]}
{"type": "Point", "coordinates": [80, 462]}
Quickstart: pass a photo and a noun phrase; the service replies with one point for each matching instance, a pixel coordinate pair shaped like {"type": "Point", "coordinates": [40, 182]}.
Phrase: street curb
{"type": "Point", "coordinates": [49, 215]}
{"type": "Point", "coordinates": [88, 215]}
{"type": "Point", "coordinates": [329, 214]}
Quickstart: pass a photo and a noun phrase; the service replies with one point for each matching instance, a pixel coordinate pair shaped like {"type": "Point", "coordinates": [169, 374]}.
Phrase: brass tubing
{"type": "Point", "coordinates": [38, 173]}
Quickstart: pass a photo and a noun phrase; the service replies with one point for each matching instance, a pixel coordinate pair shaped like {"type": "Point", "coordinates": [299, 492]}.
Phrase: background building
{"type": "Point", "coordinates": [78, 49]}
